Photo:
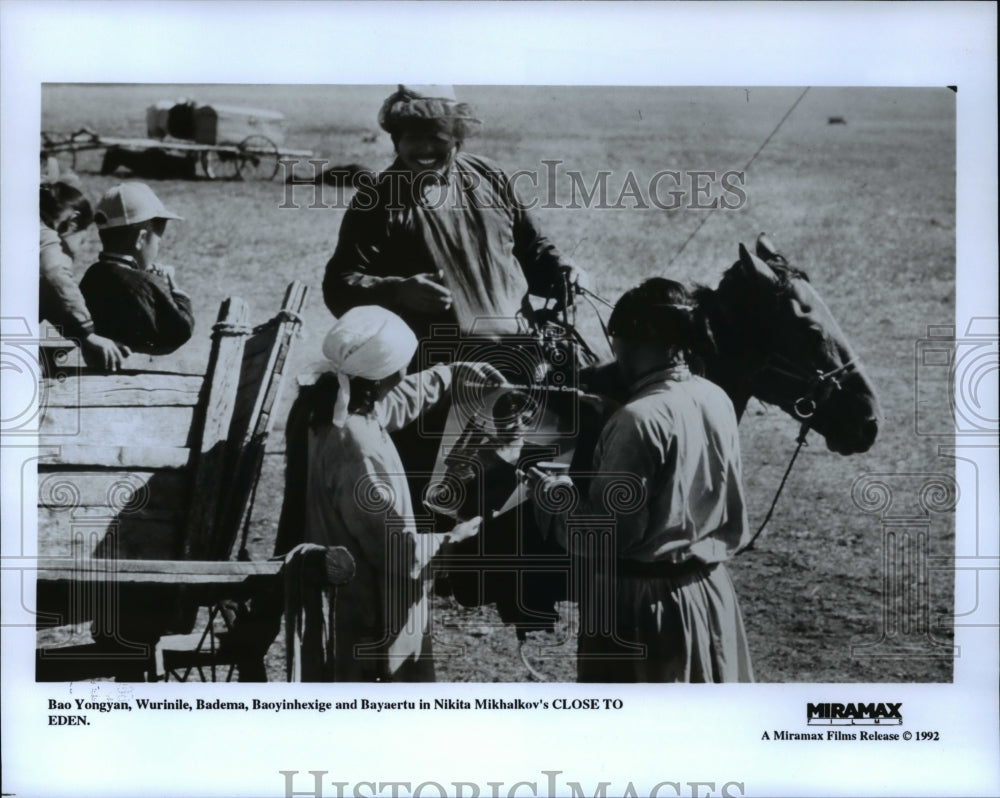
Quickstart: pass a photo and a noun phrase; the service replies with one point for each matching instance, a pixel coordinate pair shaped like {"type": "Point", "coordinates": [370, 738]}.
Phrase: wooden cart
{"type": "Point", "coordinates": [145, 481]}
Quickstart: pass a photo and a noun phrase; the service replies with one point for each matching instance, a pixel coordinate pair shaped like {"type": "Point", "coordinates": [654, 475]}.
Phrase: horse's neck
{"type": "Point", "coordinates": [726, 374]}
{"type": "Point", "coordinates": [728, 367]}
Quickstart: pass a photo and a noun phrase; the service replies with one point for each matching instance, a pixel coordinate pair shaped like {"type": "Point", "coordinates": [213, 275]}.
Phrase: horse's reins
{"type": "Point", "coordinates": [746, 168]}
{"type": "Point", "coordinates": [819, 388]}
{"type": "Point", "coordinates": [589, 296]}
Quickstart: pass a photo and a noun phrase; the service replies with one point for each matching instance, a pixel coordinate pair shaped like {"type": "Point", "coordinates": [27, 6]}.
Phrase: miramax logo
{"type": "Point", "coordinates": [860, 714]}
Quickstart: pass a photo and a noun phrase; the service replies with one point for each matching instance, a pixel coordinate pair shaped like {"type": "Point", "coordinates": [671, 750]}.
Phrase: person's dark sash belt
{"type": "Point", "coordinates": [664, 569]}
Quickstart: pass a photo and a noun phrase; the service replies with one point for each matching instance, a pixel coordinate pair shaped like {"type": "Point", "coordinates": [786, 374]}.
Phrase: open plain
{"type": "Point", "coordinates": [866, 206]}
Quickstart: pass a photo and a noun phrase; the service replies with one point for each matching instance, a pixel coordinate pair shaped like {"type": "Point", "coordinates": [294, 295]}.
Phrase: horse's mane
{"type": "Point", "coordinates": [701, 293]}
{"type": "Point", "coordinates": [786, 272]}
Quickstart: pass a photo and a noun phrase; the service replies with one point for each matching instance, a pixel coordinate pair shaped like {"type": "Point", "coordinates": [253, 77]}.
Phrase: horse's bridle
{"type": "Point", "coordinates": [818, 388]}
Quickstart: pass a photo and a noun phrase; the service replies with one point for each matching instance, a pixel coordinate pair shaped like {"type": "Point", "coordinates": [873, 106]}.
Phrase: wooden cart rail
{"type": "Point", "coordinates": [153, 572]}
{"type": "Point", "coordinates": [307, 571]}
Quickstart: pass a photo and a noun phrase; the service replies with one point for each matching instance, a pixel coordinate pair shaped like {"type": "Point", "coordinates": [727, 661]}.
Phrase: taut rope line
{"type": "Point", "coordinates": [746, 167]}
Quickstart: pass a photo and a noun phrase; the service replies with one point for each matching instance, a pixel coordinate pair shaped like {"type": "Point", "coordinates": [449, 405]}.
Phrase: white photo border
{"type": "Point", "coordinates": [705, 734]}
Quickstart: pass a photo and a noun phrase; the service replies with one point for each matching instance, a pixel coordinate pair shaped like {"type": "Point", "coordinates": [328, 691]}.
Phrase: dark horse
{"type": "Point", "coordinates": [775, 340]}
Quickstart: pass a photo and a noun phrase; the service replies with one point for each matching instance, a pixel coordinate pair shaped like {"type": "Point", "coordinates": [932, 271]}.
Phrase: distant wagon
{"type": "Point", "coordinates": [226, 141]}
{"type": "Point", "coordinates": [213, 124]}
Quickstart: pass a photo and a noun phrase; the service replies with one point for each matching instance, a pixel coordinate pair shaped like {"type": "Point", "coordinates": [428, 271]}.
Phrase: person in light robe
{"type": "Point", "coordinates": [658, 604]}
{"type": "Point", "coordinates": [65, 214]}
{"type": "Point", "coordinates": [357, 495]}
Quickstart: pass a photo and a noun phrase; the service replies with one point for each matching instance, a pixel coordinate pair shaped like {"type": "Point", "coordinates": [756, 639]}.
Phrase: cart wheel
{"type": "Point", "coordinates": [220, 165]}
{"type": "Point", "coordinates": [258, 158]}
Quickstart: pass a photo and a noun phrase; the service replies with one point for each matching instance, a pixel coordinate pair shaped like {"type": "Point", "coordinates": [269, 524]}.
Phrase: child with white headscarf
{"type": "Point", "coordinates": [357, 495]}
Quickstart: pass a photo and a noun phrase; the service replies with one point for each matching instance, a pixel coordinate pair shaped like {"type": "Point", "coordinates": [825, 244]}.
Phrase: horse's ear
{"type": "Point", "coordinates": [765, 249]}
{"type": "Point", "coordinates": [753, 267]}
{"type": "Point", "coordinates": [769, 252]}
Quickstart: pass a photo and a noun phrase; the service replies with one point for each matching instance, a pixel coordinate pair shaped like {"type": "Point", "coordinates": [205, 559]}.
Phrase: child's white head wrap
{"type": "Point", "coordinates": [369, 342]}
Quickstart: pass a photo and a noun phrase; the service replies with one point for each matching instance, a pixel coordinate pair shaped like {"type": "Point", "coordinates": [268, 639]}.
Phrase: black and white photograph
{"type": "Point", "coordinates": [404, 423]}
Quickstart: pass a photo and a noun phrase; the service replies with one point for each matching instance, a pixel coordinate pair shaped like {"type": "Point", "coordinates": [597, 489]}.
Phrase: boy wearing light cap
{"type": "Point", "coordinates": [132, 298]}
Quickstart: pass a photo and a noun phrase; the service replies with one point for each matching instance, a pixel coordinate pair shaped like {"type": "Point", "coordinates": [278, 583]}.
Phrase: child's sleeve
{"type": "Point", "coordinates": [173, 320]}
{"type": "Point", "coordinates": [59, 298]}
{"type": "Point", "coordinates": [416, 394]}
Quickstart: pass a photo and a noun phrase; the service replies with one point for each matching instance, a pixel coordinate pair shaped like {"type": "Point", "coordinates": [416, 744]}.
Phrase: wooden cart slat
{"type": "Point", "coordinates": [162, 571]}
{"type": "Point", "coordinates": [169, 425]}
{"type": "Point", "coordinates": [222, 380]}
{"type": "Point", "coordinates": [92, 532]}
{"type": "Point", "coordinates": [55, 452]}
{"type": "Point", "coordinates": [94, 487]}
{"type": "Point", "coordinates": [126, 390]}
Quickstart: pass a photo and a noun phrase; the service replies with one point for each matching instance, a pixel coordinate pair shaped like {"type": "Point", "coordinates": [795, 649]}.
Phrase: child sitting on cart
{"type": "Point", "coordinates": [65, 213]}
{"type": "Point", "coordinates": [134, 299]}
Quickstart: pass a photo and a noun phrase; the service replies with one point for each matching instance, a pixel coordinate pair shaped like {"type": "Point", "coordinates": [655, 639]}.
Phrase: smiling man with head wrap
{"type": "Point", "coordinates": [441, 237]}
{"type": "Point", "coordinates": [357, 495]}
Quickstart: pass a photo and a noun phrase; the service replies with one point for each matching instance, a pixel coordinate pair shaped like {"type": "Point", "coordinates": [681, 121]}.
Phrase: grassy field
{"type": "Point", "coordinates": [866, 207]}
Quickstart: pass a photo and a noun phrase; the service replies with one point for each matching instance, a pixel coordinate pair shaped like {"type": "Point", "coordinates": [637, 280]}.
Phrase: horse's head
{"type": "Point", "coordinates": [778, 341]}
